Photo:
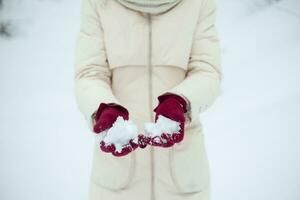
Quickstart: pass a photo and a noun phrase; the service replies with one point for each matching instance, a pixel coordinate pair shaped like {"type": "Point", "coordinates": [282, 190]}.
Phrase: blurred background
{"type": "Point", "coordinates": [252, 131]}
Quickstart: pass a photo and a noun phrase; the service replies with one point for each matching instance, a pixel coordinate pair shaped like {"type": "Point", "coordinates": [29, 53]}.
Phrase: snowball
{"type": "Point", "coordinates": [121, 132]}
{"type": "Point", "coordinates": [162, 125]}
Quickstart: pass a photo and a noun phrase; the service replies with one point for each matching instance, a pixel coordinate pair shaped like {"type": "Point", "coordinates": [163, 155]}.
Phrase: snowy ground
{"type": "Point", "coordinates": [252, 133]}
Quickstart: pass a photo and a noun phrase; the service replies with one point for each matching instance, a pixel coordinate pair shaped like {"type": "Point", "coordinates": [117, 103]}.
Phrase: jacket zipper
{"type": "Point", "coordinates": [150, 102]}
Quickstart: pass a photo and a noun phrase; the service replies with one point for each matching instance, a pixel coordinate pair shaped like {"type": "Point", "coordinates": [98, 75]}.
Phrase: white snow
{"type": "Point", "coordinates": [119, 134]}
{"type": "Point", "coordinates": [162, 125]}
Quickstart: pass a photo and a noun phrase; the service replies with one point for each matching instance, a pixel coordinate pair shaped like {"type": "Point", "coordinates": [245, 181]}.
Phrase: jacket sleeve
{"type": "Point", "coordinates": [202, 83]}
{"type": "Point", "coordinates": [92, 76]}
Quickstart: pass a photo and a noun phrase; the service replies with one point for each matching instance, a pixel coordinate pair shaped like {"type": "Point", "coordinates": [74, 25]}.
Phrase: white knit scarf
{"type": "Point", "coordinates": [150, 6]}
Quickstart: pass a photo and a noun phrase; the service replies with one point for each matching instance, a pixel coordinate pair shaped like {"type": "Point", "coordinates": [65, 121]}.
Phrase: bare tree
{"type": "Point", "coordinates": [5, 24]}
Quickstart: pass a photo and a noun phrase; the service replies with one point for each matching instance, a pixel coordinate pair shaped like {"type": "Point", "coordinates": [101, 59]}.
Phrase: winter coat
{"type": "Point", "coordinates": [130, 58]}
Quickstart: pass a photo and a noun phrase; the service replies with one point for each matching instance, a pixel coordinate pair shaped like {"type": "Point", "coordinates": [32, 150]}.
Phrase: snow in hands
{"type": "Point", "coordinates": [120, 134]}
{"type": "Point", "coordinates": [162, 129]}
{"type": "Point", "coordinates": [124, 132]}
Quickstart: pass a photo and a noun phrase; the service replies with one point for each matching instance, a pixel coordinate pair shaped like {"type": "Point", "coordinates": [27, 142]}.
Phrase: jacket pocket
{"type": "Point", "coordinates": [112, 172]}
{"type": "Point", "coordinates": [188, 163]}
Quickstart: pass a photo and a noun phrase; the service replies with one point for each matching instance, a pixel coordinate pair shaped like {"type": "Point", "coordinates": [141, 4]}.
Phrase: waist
{"type": "Point", "coordinates": [137, 88]}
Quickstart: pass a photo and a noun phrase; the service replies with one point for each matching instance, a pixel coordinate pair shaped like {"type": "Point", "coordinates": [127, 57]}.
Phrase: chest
{"type": "Point", "coordinates": [135, 38]}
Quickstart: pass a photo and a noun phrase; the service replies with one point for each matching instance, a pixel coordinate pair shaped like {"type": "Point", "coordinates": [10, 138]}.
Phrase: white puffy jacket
{"type": "Point", "coordinates": [130, 58]}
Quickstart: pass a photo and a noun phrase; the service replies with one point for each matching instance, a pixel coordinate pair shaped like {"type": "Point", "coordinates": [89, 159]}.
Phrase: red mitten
{"type": "Point", "coordinates": [107, 114]}
{"type": "Point", "coordinates": [171, 108]}
{"type": "Point", "coordinates": [105, 117]}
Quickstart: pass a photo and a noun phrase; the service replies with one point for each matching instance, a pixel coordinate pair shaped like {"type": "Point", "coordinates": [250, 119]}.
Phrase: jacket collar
{"type": "Point", "coordinates": [150, 6]}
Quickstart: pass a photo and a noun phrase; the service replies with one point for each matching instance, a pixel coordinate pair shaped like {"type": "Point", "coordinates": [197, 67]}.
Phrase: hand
{"type": "Point", "coordinates": [170, 121]}
{"type": "Point", "coordinates": [107, 116]}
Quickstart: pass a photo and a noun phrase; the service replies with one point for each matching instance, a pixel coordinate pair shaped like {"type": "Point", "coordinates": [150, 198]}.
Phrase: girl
{"type": "Point", "coordinates": [145, 61]}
